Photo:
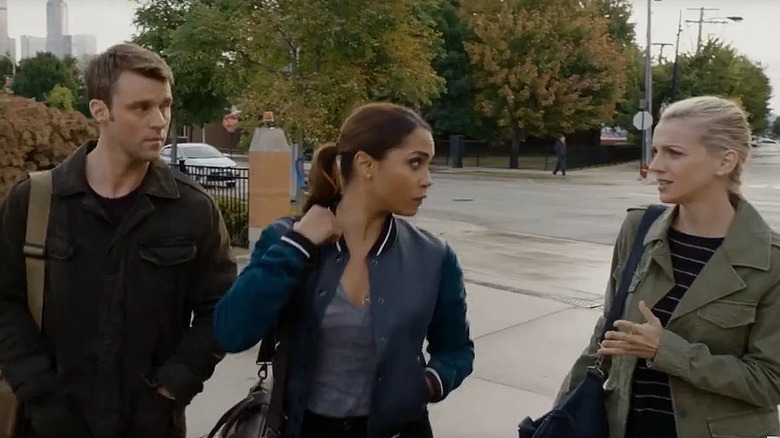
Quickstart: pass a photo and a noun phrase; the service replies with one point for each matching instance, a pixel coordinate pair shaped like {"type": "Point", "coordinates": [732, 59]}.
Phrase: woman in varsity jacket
{"type": "Point", "coordinates": [379, 287]}
{"type": "Point", "coordinates": [697, 353]}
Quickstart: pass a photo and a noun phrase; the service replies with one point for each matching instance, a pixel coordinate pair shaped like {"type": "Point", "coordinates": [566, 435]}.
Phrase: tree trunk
{"type": "Point", "coordinates": [173, 132]}
{"type": "Point", "coordinates": [514, 152]}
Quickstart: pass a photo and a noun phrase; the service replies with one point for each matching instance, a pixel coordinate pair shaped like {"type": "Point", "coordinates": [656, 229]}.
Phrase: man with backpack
{"type": "Point", "coordinates": [136, 256]}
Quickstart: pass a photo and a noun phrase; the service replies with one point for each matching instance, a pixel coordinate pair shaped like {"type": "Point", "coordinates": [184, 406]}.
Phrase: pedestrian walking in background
{"type": "Point", "coordinates": [560, 155]}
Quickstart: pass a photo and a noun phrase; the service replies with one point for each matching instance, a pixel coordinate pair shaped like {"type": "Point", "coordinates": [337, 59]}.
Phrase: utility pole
{"type": "Point", "coordinates": [676, 69]}
{"type": "Point", "coordinates": [647, 134]}
{"type": "Point", "coordinates": [701, 22]}
{"type": "Point", "coordinates": [661, 54]}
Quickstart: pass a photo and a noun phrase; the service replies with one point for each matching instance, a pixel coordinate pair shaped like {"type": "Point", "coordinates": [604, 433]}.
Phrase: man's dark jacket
{"type": "Point", "coordinates": [126, 308]}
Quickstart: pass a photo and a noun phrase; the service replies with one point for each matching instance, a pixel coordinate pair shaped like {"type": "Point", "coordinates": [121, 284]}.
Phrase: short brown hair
{"type": "Point", "coordinates": [104, 70]}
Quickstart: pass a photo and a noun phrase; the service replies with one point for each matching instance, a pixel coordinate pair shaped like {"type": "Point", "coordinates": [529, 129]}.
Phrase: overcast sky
{"type": "Point", "coordinates": [111, 22]}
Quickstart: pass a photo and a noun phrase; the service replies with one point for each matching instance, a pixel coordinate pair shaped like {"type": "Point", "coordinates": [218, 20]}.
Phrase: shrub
{"type": "Point", "coordinates": [34, 136]}
{"type": "Point", "coordinates": [235, 213]}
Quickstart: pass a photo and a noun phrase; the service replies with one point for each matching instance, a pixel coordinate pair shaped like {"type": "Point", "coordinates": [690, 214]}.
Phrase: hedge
{"type": "Point", "coordinates": [34, 136]}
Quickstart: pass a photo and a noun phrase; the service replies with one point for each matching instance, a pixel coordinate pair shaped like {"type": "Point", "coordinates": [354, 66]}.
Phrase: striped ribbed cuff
{"type": "Point", "coordinates": [300, 242]}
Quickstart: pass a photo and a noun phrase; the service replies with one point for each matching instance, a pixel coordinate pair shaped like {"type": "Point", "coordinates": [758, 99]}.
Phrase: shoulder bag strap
{"type": "Point", "coordinates": [618, 303]}
{"type": "Point", "coordinates": [276, 344]}
{"type": "Point", "coordinates": [284, 337]}
{"type": "Point", "coordinates": [38, 209]}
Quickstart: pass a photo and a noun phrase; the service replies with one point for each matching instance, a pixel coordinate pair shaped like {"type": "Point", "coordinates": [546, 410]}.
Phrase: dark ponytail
{"type": "Point", "coordinates": [375, 129]}
{"type": "Point", "coordinates": [324, 178]}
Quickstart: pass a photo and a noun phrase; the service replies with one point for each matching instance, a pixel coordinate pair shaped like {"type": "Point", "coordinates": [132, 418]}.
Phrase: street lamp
{"type": "Point", "coordinates": [648, 104]}
{"type": "Point", "coordinates": [700, 22]}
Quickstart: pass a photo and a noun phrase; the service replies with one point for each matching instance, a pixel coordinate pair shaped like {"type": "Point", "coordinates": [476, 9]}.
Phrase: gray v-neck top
{"type": "Point", "coordinates": [346, 360]}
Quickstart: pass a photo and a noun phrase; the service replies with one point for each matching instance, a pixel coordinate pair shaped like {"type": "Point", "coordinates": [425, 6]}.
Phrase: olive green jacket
{"type": "Point", "coordinates": [721, 347]}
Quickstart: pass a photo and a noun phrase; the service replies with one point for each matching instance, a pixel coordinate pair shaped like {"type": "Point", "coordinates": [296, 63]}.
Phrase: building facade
{"type": "Point", "coordinates": [31, 46]}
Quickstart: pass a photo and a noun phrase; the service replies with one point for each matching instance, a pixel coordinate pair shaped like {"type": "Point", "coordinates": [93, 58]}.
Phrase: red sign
{"type": "Point", "coordinates": [230, 122]}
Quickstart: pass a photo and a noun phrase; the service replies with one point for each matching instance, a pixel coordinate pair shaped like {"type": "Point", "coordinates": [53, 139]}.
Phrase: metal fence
{"type": "Point", "coordinates": [229, 186]}
{"type": "Point", "coordinates": [479, 153]}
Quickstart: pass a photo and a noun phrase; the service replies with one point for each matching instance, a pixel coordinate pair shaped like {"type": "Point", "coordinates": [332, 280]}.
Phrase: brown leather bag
{"type": "Point", "coordinates": [35, 257]}
{"type": "Point", "coordinates": [260, 414]}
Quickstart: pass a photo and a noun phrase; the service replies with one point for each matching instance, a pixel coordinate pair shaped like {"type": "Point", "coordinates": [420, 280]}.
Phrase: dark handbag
{"type": "Point", "coordinates": [581, 413]}
{"type": "Point", "coordinates": [260, 414]}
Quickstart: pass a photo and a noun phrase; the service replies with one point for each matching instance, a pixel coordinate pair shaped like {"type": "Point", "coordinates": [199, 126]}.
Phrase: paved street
{"type": "Point", "coordinates": [535, 252]}
{"type": "Point", "coordinates": [588, 205]}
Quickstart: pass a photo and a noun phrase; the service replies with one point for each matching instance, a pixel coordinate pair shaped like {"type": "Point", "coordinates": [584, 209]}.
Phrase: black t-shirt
{"type": "Point", "coordinates": [118, 208]}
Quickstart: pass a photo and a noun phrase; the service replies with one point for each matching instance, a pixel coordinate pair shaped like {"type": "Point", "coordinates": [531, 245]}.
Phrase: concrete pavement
{"type": "Point", "coordinates": [536, 254]}
{"type": "Point", "coordinates": [609, 175]}
{"type": "Point", "coordinates": [532, 303]}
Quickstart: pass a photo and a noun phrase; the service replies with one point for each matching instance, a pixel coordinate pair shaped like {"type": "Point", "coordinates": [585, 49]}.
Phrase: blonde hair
{"type": "Point", "coordinates": [724, 126]}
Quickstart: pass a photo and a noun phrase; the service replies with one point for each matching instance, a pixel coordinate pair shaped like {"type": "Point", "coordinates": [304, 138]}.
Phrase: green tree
{"type": "Point", "coordinates": [622, 32]}
{"type": "Point", "coordinates": [312, 61]}
{"type": "Point", "coordinates": [6, 67]}
{"type": "Point", "coordinates": [191, 37]}
{"type": "Point", "coordinates": [156, 20]}
{"type": "Point", "coordinates": [80, 99]}
{"type": "Point", "coordinates": [719, 69]}
{"type": "Point", "coordinates": [618, 15]}
{"type": "Point", "coordinates": [776, 127]}
{"type": "Point", "coordinates": [454, 111]}
{"type": "Point", "coordinates": [543, 68]}
{"type": "Point", "coordinates": [197, 55]}
{"type": "Point", "coordinates": [36, 76]}
{"type": "Point", "coordinates": [61, 98]}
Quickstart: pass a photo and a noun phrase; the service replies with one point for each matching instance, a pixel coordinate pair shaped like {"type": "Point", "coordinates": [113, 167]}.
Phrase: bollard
{"type": "Point", "coordinates": [269, 179]}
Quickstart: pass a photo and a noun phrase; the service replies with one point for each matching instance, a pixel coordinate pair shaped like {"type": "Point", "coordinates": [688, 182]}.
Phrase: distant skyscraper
{"type": "Point", "coordinates": [82, 45]}
{"type": "Point", "coordinates": [67, 45]}
{"type": "Point", "coordinates": [56, 27]}
{"type": "Point", "coordinates": [12, 48]}
{"type": "Point", "coordinates": [5, 43]}
{"type": "Point", "coordinates": [32, 45]}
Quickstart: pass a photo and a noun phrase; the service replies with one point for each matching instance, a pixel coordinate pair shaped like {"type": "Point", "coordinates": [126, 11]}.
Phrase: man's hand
{"type": "Point", "coordinates": [632, 339]}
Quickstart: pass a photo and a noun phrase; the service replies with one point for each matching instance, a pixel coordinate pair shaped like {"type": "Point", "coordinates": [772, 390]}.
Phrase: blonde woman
{"type": "Point", "coordinates": [697, 353]}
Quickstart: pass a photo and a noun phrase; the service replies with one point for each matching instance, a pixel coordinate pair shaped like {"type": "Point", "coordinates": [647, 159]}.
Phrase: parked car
{"type": "Point", "coordinates": [203, 163]}
{"type": "Point", "coordinates": [761, 141]}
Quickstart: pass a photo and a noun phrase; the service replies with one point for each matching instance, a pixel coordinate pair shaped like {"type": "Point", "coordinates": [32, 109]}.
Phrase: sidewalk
{"type": "Point", "coordinates": [619, 174]}
{"type": "Point", "coordinates": [532, 305]}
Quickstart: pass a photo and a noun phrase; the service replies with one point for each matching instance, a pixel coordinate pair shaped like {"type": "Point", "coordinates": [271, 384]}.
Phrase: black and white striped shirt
{"type": "Point", "coordinates": [652, 413]}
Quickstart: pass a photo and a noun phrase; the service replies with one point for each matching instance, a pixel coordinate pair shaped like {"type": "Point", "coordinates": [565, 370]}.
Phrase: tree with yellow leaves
{"type": "Point", "coordinates": [543, 68]}
{"type": "Point", "coordinates": [312, 61]}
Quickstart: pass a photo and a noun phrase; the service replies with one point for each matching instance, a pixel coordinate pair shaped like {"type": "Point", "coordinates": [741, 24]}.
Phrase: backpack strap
{"type": "Point", "coordinates": [637, 250]}
{"type": "Point", "coordinates": [38, 209]}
